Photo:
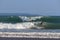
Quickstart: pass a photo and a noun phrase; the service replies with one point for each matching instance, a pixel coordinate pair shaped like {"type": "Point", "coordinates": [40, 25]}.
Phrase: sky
{"type": "Point", "coordinates": [41, 7]}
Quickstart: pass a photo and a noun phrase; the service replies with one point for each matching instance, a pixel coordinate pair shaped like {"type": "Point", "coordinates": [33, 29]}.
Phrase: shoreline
{"type": "Point", "coordinates": [30, 34]}
{"type": "Point", "coordinates": [28, 38]}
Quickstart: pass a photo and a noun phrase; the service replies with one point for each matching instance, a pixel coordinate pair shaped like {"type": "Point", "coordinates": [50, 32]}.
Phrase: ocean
{"type": "Point", "coordinates": [30, 30]}
{"type": "Point", "coordinates": [52, 23]}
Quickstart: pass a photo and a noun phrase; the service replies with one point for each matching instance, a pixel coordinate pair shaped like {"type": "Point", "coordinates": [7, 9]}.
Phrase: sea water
{"type": "Point", "coordinates": [29, 30]}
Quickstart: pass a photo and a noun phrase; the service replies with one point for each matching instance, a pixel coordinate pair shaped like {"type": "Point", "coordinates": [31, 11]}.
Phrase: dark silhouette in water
{"type": "Point", "coordinates": [41, 23]}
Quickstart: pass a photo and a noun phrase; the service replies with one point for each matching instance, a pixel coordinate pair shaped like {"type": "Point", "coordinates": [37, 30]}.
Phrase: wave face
{"type": "Point", "coordinates": [29, 22]}
{"type": "Point", "coordinates": [18, 22]}
{"type": "Point", "coordinates": [18, 19]}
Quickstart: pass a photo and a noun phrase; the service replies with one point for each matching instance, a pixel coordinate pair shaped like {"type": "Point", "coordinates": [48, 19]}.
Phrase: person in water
{"type": "Point", "coordinates": [41, 23]}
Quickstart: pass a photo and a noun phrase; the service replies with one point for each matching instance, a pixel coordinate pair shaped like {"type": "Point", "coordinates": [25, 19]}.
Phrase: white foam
{"type": "Point", "coordinates": [16, 26]}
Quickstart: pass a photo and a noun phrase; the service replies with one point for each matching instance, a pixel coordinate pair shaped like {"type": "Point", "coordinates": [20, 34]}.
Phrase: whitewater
{"type": "Point", "coordinates": [25, 25]}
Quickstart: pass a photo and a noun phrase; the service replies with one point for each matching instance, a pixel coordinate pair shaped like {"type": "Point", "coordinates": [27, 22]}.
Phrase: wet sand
{"type": "Point", "coordinates": [5, 38]}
